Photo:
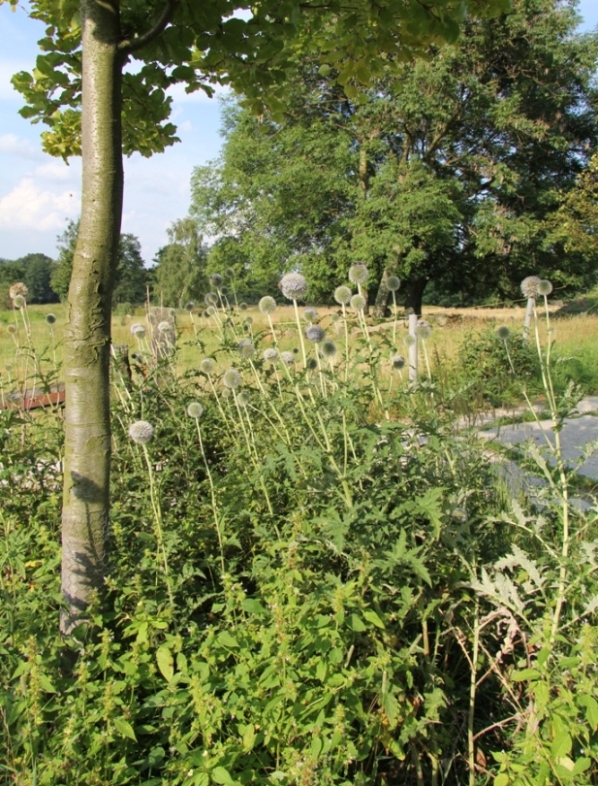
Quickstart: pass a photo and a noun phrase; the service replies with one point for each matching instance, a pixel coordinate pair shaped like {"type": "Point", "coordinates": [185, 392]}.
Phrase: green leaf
{"type": "Point", "coordinates": [226, 640]}
{"type": "Point", "coordinates": [165, 662]}
{"type": "Point", "coordinates": [124, 728]}
{"type": "Point", "coordinates": [525, 674]}
{"type": "Point", "coordinates": [561, 745]}
{"type": "Point", "coordinates": [253, 606]}
{"type": "Point", "coordinates": [372, 617]}
{"type": "Point", "coordinates": [501, 780]}
{"type": "Point", "coordinates": [355, 622]}
{"type": "Point", "coordinates": [220, 775]}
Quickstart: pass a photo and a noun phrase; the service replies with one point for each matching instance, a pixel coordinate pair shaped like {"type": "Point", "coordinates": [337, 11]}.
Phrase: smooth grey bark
{"type": "Point", "coordinates": [87, 332]}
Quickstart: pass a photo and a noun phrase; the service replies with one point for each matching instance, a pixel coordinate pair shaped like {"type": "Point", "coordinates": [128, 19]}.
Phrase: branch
{"type": "Point", "coordinates": [128, 45]}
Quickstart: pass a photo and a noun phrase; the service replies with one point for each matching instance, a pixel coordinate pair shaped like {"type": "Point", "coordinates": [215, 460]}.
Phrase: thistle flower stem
{"type": "Point", "coordinates": [257, 377]}
{"type": "Point", "coordinates": [213, 496]}
{"type": "Point", "coordinates": [301, 341]}
{"type": "Point", "coordinates": [217, 398]}
{"type": "Point", "coordinates": [509, 356]}
{"type": "Point", "coordinates": [427, 360]}
{"type": "Point", "coordinates": [272, 331]}
{"type": "Point", "coordinates": [563, 485]}
{"type": "Point", "coordinates": [158, 529]}
{"type": "Point", "coordinates": [394, 324]}
{"type": "Point", "coordinates": [346, 343]}
{"type": "Point", "coordinates": [320, 374]}
{"type": "Point", "coordinates": [255, 458]}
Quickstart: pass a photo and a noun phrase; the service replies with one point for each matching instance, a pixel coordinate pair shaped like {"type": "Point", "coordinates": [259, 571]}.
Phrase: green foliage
{"type": "Point", "coordinates": [302, 589]}
{"type": "Point", "coordinates": [130, 278]}
{"type": "Point", "coordinates": [33, 270]}
{"type": "Point", "coordinates": [180, 271]}
{"type": "Point", "coordinates": [454, 169]}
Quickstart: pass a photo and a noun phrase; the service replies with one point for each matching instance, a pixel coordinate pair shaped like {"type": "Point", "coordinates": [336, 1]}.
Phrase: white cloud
{"type": "Point", "coordinates": [57, 172]}
{"type": "Point", "coordinates": [12, 145]}
{"type": "Point", "coordinates": [28, 207]}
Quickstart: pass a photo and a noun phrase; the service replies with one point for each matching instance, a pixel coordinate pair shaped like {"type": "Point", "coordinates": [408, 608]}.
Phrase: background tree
{"type": "Point", "coordinates": [180, 272]}
{"type": "Point", "coordinates": [447, 173]}
{"type": "Point", "coordinates": [130, 277]}
{"type": "Point", "coordinates": [81, 90]}
{"type": "Point", "coordinates": [37, 274]}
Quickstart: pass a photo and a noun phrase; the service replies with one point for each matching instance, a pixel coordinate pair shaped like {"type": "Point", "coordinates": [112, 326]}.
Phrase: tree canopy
{"type": "Point", "coordinates": [450, 172]}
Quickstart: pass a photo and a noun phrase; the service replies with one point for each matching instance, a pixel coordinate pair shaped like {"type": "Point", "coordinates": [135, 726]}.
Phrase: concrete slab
{"type": "Point", "coordinates": [579, 436]}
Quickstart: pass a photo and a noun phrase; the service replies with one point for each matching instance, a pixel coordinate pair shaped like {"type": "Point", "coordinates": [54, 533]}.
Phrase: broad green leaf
{"type": "Point", "coordinates": [124, 728]}
{"type": "Point", "coordinates": [165, 662]}
{"type": "Point", "coordinates": [371, 616]}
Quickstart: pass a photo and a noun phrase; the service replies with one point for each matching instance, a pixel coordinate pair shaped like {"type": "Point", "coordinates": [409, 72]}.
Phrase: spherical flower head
{"type": "Point", "coordinates": [423, 330]}
{"type": "Point", "coordinates": [189, 306]}
{"type": "Point", "coordinates": [409, 340]}
{"type": "Point", "coordinates": [393, 283]}
{"type": "Point", "coordinates": [503, 333]}
{"type": "Point", "coordinates": [248, 321]}
{"type": "Point", "coordinates": [328, 348]}
{"type": "Point", "coordinates": [195, 410]}
{"type": "Point", "coordinates": [51, 319]}
{"type": "Point", "coordinates": [224, 290]}
{"type": "Point", "coordinates": [243, 306]}
{"type": "Point", "coordinates": [164, 326]}
{"type": "Point", "coordinates": [270, 354]}
{"type": "Point", "coordinates": [315, 334]}
{"type": "Point", "coordinates": [18, 289]}
{"type": "Point", "coordinates": [545, 288]}
{"type": "Point", "coordinates": [529, 286]}
{"type": "Point", "coordinates": [243, 398]}
{"type": "Point", "coordinates": [267, 305]}
{"type": "Point", "coordinates": [398, 362]}
{"type": "Point", "coordinates": [342, 295]}
{"type": "Point", "coordinates": [207, 365]}
{"type": "Point", "coordinates": [11, 329]}
{"type": "Point", "coordinates": [246, 348]}
{"type": "Point", "coordinates": [229, 272]}
{"type": "Point", "coordinates": [231, 379]}
{"type": "Point", "coordinates": [19, 301]}
{"type": "Point", "coordinates": [358, 273]}
{"type": "Point", "coordinates": [137, 330]}
{"type": "Point", "coordinates": [358, 302]}
{"type": "Point", "coordinates": [293, 286]}
{"type": "Point", "coordinates": [311, 364]}
{"type": "Point", "coordinates": [211, 299]}
{"type": "Point", "coordinates": [287, 357]}
{"type": "Point", "coordinates": [210, 311]}
{"type": "Point", "coordinates": [310, 314]}
{"type": "Point", "coordinates": [335, 317]}
{"type": "Point", "coordinates": [216, 280]}
{"type": "Point", "coordinates": [141, 432]}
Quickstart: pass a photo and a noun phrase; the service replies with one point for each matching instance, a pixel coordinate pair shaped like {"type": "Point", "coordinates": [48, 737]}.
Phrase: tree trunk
{"type": "Point", "coordinates": [414, 291]}
{"type": "Point", "coordinates": [382, 296]}
{"type": "Point", "coordinates": [87, 332]}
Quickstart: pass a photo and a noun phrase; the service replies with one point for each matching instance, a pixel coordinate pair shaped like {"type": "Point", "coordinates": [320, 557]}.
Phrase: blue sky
{"type": "Point", "coordinates": [38, 193]}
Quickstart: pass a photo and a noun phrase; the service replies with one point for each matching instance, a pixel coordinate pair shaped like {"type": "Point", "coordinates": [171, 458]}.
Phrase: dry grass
{"type": "Point", "coordinates": [574, 335]}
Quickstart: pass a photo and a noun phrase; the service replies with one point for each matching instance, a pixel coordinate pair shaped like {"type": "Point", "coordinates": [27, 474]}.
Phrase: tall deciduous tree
{"type": "Point", "coordinates": [447, 171]}
{"type": "Point", "coordinates": [180, 272]}
{"type": "Point", "coordinates": [81, 90]}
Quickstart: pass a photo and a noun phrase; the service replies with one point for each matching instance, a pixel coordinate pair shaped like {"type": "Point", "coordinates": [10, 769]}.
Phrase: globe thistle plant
{"type": "Point", "coordinates": [423, 330]}
{"type": "Point", "coordinates": [195, 410]}
{"type": "Point", "coordinates": [51, 319]}
{"type": "Point", "coordinates": [267, 305]}
{"type": "Point", "coordinates": [246, 348]}
{"type": "Point", "coordinates": [358, 273]}
{"type": "Point", "coordinates": [310, 314]}
{"type": "Point", "coordinates": [141, 432]}
{"type": "Point", "coordinates": [287, 357]}
{"type": "Point", "coordinates": [393, 283]}
{"type": "Point", "coordinates": [207, 365]}
{"type": "Point", "coordinates": [544, 288]}
{"type": "Point", "coordinates": [358, 303]}
{"type": "Point", "coordinates": [293, 286]}
{"type": "Point", "coordinates": [216, 280]}
{"type": "Point", "coordinates": [19, 301]}
{"type": "Point", "coordinates": [398, 362]}
{"type": "Point", "coordinates": [315, 334]}
{"type": "Point", "coordinates": [328, 349]}
{"type": "Point", "coordinates": [18, 290]}
{"type": "Point", "coordinates": [270, 354]}
{"type": "Point", "coordinates": [503, 333]}
{"type": "Point", "coordinates": [529, 286]}
{"type": "Point", "coordinates": [343, 295]}
{"type": "Point", "coordinates": [231, 379]}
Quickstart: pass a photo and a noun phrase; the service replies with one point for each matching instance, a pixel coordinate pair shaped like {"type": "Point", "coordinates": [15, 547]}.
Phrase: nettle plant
{"type": "Point", "coordinates": [313, 579]}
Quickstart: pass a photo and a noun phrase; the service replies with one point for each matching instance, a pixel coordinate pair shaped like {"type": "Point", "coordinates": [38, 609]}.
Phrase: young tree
{"type": "Point", "coordinates": [180, 272]}
{"type": "Point", "coordinates": [81, 90]}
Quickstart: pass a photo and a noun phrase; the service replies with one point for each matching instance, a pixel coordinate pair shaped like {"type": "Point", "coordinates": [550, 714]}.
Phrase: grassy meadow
{"type": "Point", "coordinates": [317, 576]}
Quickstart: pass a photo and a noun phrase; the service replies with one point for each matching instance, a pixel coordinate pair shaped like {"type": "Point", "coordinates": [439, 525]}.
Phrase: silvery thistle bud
{"type": "Point", "coordinates": [358, 273]}
{"type": "Point", "coordinates": [423, 330]}
{"type": "Point", "coordinates": [293, 286]}
{"type": "Point", "coordinates": [270, 354]}
{"type": "Point", "coordinates": [392, 283]}
{"type": "Point", "coordinates": [50, 319]}
{"type": "Point", "coordinates": [195, 410]}
{"type": "Point", "coordinates": [207, 365]}
{"type": "Point", "coordinates": [529, 286]}
{"type": "Point", "coordinates": [231, 379]}
{"type": "Point", "coordinates": [246, 348]}
{"type": "Point", "coordinates": [138, 330]}
{"type": "Point", "coordinates": [544, 288]}
{"type": "Point", "coordinates": [287, 357]}
{"type": "Point", "coordinates": [315, 334]}
{"type": "Point", "coordinates": [310, 314]}
{"type": "Point", "coordinates": [398, 362]}
{"type": "Point", "coordinates": [342, 295]}
{"type": "Point", "coordinates": [141, 432]}
{"type": "Point", "coordinates": [328, 348]}
{"type": "Point", "coordinates": [215, 279]}
{"type": "Point", "coordinates": [267, 305]}
{"type": "Point", "coordinates": [503, 333]}
{"type": "Point", "coordinates": [358, 302]}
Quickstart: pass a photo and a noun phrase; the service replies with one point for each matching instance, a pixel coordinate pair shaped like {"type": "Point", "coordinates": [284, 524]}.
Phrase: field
{"type": "Point", "coordinates": [316, 576]}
